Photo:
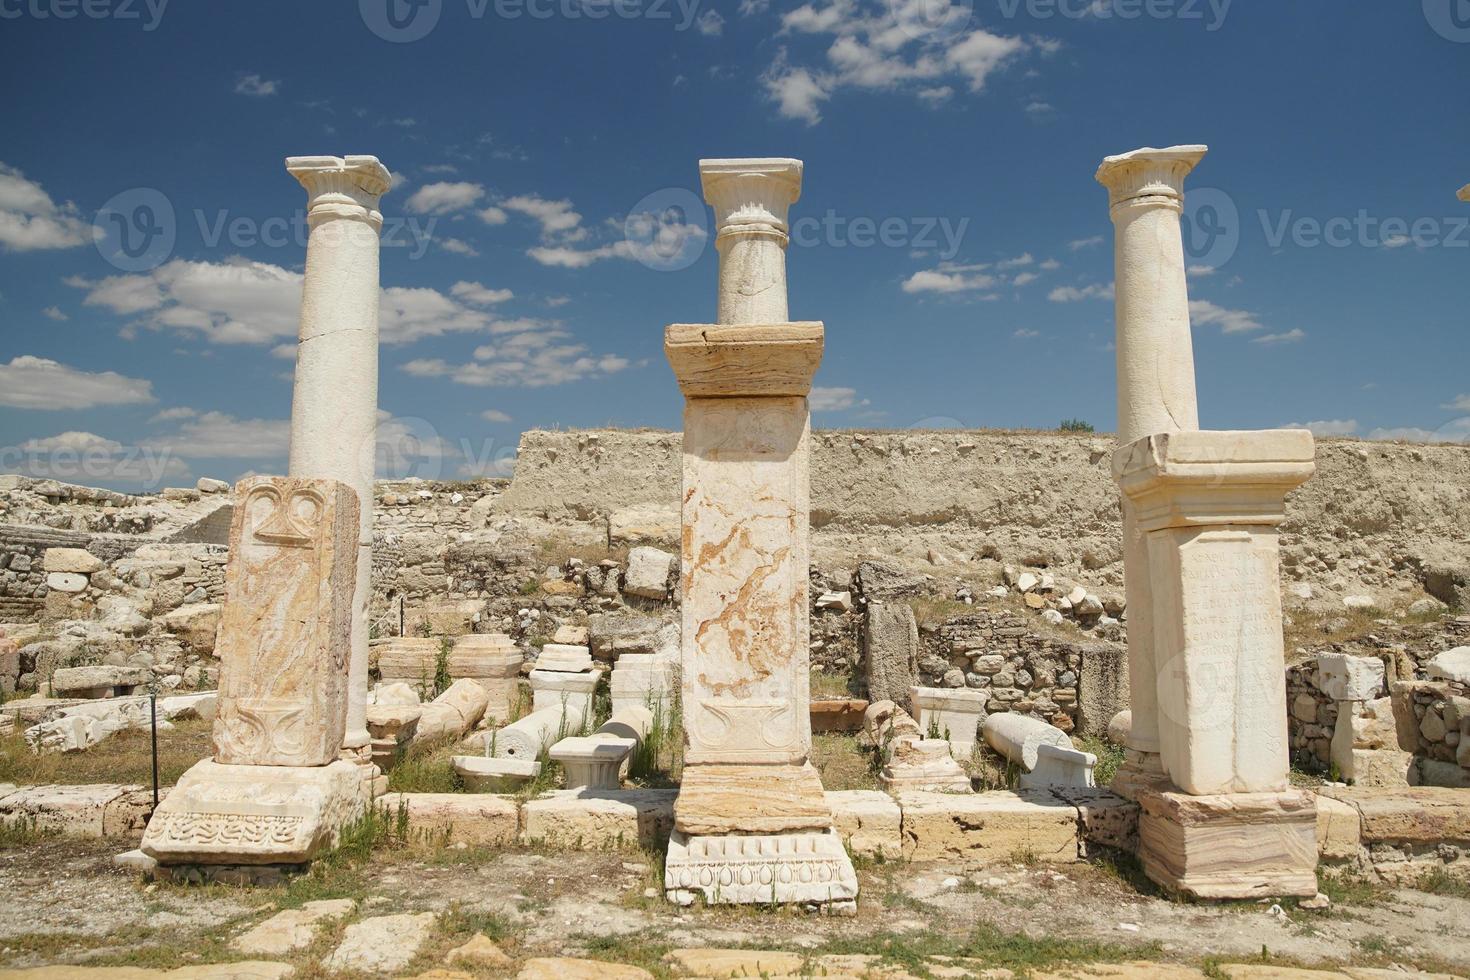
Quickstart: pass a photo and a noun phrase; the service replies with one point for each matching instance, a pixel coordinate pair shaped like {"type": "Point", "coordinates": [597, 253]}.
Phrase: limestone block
{"type": "Point", "coordinates": [485, 656]}
{"type": "Point", "coordinates": [96, 810]}
{"type": "Point", "coordinates": [1347, 678]}
{"type": "Point", "coordinates": [98, 682]}
{"type": "Point", "coordinates": [922, 765]}
{"type": "Point", "coordinates": [382, 944]}
{"type": "Point", "coordinates": [444, 618]}
{"type": "Point", "coordinates": [197, 624]}
{"type": "Point", "coordinates": [1437, 772]}
{"type": "Point", "coordinates": [73, 560]}
{"type": "Point", "coordinates": [570, 693]}
{"type": "Point", "coordinates": [890, 650]}
{"type": "Point", "coordinates": [644, 680]}
{"type": "Point", "coordinates": [730, 799]}
{"type": "Point", "coordinates": [285, 632]}
{"type": "Point", "coordinates": [771, 360]}
{"type": "Point", "coordinates": [838, 715]}
{"type": "Point", "coordinates": [1452, 665]}
{"type": "Point", "coordinates": [647, 524]}
{"type": "Point", "coordinates": [952, 715]}
{"type": "Point", "coordinates": [869, 822]}
{"type": "Point", "coordinates": [1019, 737]}
{"type": "Point", "coordinates": [1339, 837]}
{"type": "Point", "coordinates": [483, 774]}
{"type": "Point", "coordinates": [66, 582]}
{"type": "Point", "coordinates": [477, 819]}
{"type": "Point", "coordinates": [564, 658]}
{"type": "Point", "coordinates": [229, 814]}
{"type": "Point", "coordinates": [592, 762]}
{"type": "Point", "coordinates": [998, 826]}
{"type": "Point", "coordinates": [1106, 819]}
{"type": "Point", "coordinates": [291, 929]}
{"type": "Point", "coordinates": [408, 659]}
{"type": "Point", "coordinates": [724, 963]}
{"type": "Point", "coordinates": [1238, 845]}
{"type": "Point", "coordinates": [1418, 816]}
{"type": "Point", "coordinates": [788, 868]}
{"type": "Point", "coordinates": [649, 573]}
{"type": "Point", "coordinates": [594, 820]}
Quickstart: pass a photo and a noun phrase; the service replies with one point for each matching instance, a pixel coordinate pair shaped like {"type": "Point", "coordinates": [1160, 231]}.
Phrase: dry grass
{"type": "Point", "coordinates": [843, 764]}
{"type": "Point", "coordinates": [124, 758]}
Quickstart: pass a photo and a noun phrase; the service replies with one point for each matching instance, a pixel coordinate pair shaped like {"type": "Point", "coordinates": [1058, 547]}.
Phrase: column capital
{"type": "Point", "coordinates": [752, 195]}
{"type": "Point", "coordinates": [1149, 176]}
{"type": "Point", "coordinates": [342, 187]}
{"type": "Point", "coordinates": [1465, 193]}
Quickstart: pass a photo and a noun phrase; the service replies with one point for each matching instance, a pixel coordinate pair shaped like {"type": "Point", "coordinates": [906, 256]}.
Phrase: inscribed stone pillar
{"type": "Point", "coordinates": [751, 823]}
{"type": "Point", "coordinates": [276, 791]}
{"type": "Point", "coordinates": [1228, 825]}
{"type": "Point", "coordinates": [1156, 391]}
{"type": "Point", "coordinates": [334, 411]}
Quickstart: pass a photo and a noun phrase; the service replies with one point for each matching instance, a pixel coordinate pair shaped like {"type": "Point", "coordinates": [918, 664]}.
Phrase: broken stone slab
{"type": "Point", "coordinates": [1343, 677]}
{"type": "Point", "coordinates": [593, 820]}
{"type": "Point", "coordinates": [71, 560]}
{"type": "Point", "coordinates": [291, 929]}
{"type": "Point", "coordinates": [724, 963]}
{"type": "Point", "coordinates": [1106, 819]}
{"type": "Point", "coordinates": [1058, 766]}
{"type": "Point", "coordinates": [839, 601]}
{"type": "Point", "coordinates": [1417, 816]}
{"type": "Point", "coordinates": [564, 658]}
{"type": "Point", "coordinates": [179, 707]}
{"type": "Point", "coordinates": [96, 810]}
{"type": "Point", "coordinates": [1452, 665]}
{"type": "Point", "coordinates": [650, 572]}
{"type": "Point", "coordinates": [790, 868]}
{"type": "Point", "coordinates": [83, 725]}
{"type": "Point", "coordinates": [196, 624]}
{"type": "Point", "coordinates": [951, 715]}
{"type": "Point", "coordinates": [98, 681]}
{"type": "Point", "coordinates": [477, 819]}
{"type": "Point", "coordinates": [838, 715]}
{"type": "Point", "coordinates": [987, 827]}
{"type": "Point", "coordinates": [222, 814]}
{"type": "Point", "coordinates": [648, 524]}
{"type": "Point", "coordinates": [923, 765]}
{"type": "Point", "coordinates": [1019, 737]}
{"type": "Point", "coordinates": [568, 968]}
{"type": "Point", "coordinates": [869, 822]}
{"type": "Point", "coordinates": [382, 944]}
{"type": "Point", "coordinates": [484, 774]}
{"type": "Point", "coordinates": [1339, 831]}
{"type": "Point", "coordinates": [570, 693]}
{"type": "Point", "coordinates": [593, 761]}
{"type": "Point", "coordinates": [454, 712]}
{"type": "Point", "coordinates": [890, 650]}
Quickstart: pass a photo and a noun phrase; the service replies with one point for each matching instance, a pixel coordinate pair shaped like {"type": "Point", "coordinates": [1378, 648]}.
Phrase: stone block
{"type": "Point", "coordinates": [843, 715]}
{"type": "Point", "coordinates": [1230, 846]}
{"type": "Point", "coordinates": [719, 964]}
{"type": "Point", "coordinates": [593, 761]}
{"type": "Point", "coordinates": [69, 583]}
{"type": "Point", "coordinates": [98, 682]}
{"type": "Point", "coordinates": [809, 867]}
{"type": "Point", "coordinates": [890, 650]}
{"type": "Point", "coordinates": [952, 715]}
{"type": "Point", "coordinates": [594, 820]}
{"type": "Point", "coordinates": [989, 827]}
{"type": "Point", "coordinates": [71, 560]}
{"type": "Point", "coordinates": [650, 572]}
{"type": "Point", "coordinates": [870, 823]}
{"type": "Point", "coordinates": [1418, 816]}
{"type": "Point", "coordinates": [1452, 665]}
{"type": "Point", "coordinates": [97, 810]}
{"type": "Point", "coordinates": [382, 944]}
{"type": "Point", "coordinates": [443, 619]}
{"type": "Point", "coordinates": [1347, 678]}
{"type": "Point", "coordinates": [569, 968]}
{"type": "Point", "coordinates": [196, 624]}
{"type": "Point", "coordinates": [241, 815]}
{"type": "Point", "coordinates": [408, 659]}
{"type": "Point", "coordinates": [1339, 835]}
{"type": "Point", "coordinates": [1106, 819]}
{"type": "Point", "coordinates": [564, 658]}
{"type": "Point", "coordinates": [485, 774]}
{"type": "Point", "coordinates": [291, 929]}
{"type": "Point", "coordinates": [477, 819]}
{"type": "Point", "coordinates": [649, 524]}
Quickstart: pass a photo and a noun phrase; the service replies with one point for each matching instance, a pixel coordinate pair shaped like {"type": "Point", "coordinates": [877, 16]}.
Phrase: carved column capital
{"type": "Point", "coordinates": [751, 196]}
{"type": "Point", "coordinates": [1149, 177]}
{"type": "Point", "coordinates": [342, 187]}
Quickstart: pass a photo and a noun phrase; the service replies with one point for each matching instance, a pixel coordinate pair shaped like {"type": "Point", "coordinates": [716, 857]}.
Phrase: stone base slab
{"type": "Point", "coordinates": [869, 822]}
{"type": "Point", "coordinates": [1415, 816]}
{"type": "Point", "coordinates": [749, 799]}
{"type": "Point", "coordinates": [989, 827]}
{"type": "Point", "coordinates": [1232, 845]}
{"type": "Point", "coordinates": [777, 869]}
{"type": "Point", "coordinates": [101, 810]}
{"type": "Point", "coordinates": [253, 815]}
{"type": "Point", "coordinates": [477, 819]}
{"type": "Point", "coordinates": [599, 820]}
{"type": "Point", "coordinates": [1106, 819]}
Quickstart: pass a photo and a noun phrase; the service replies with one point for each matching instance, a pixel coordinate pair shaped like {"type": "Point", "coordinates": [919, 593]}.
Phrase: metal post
{"type": "Point", "coordinates": [153, 707]}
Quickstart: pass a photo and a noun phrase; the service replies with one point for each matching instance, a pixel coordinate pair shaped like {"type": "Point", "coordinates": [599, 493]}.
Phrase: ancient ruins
{"type": "Point", "coordinates": [747, 664]}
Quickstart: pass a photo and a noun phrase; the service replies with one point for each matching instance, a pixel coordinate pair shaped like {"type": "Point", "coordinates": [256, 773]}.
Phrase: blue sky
{"type": "Point", "coordinates": [1332, 259]}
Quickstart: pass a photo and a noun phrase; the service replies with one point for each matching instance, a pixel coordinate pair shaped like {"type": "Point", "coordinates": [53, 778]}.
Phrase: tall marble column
{"type": "Point", "coordinates": [334, 411]}
{"type": "Point", "coordinates": [751, 823]}
{"type": "Point", "coordinates": [1156, 392]}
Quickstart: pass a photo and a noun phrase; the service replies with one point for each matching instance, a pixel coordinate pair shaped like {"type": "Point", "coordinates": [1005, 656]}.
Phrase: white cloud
{"type": "Point", "coordinates": [981, 53]}
{"type": "Point", "coordinates": [950, 278]}
{"type": "Point", "coordinates": [72, 442]}
{"type": "Point", "coordinates": [1293, 336]}
{"type": "Point", "coordinates": [493, 215]}
{"type": "Point", "coordinates": [1202, 311]}
{"type": "Point", "coordinates": [243, 302]}
{"type": "Point", "coordinates": [1025, 279]}
{"type": "Point", "coordinates": [1072, 294]}
{"type": "Point", "coordinates": [1200, 271]}
{"type": "Point", "coordinates": [749, 8]}
{"type": "Point", "coordinates": [652, 239]}
{"type": "Point", "coordinates": [215, 435]}
{"type": "Point", "coordinates": [797, 93]}
{"type": "Point", "coordinates": [444, 197]}
{"type": "Point", "coordinates": [1050, 265]}
{"type": "Point", "coordinates": [1024, 334]}
{"type": "Point", "coordinates": [529, 358]}
{"type": "Point", "coordinates": [935, 94]}
{"type": "Point", "coordinates": [494, 415]}
{"type": "Point", "coordinates": [54, 313]}
{"type": "Point", "coordinates": [458, 246]}
{"type": "Point", "coordinates": [710, 23]}
{"type": "Point", "coordinates": [1018, 262]}
{"type": "Point", "coordinates": [1327, 427]}
{"type": "Point", "coordinates": [557, 219]}
{"type": "Point", "coordinates": [34, 382]}
{"type": "Point", "coordinates": [832, 399]}
{"type": "Point", "coordinates": [256, 86]}
{"type": "Point", "coordinates": [1460, 403]}
{"type": "Point", "coordinates": [181, 412]}
{"type": "Point", "coordinates": [1456, 431]}
{"type": "Point", "coordinates": [473, 292]}
{"type": "Point", "coordinates": [87, 458]}
{"type": "Point", "coordinates": [31, 221]}
{"type": "Point", "coordinates": [1082, 243]}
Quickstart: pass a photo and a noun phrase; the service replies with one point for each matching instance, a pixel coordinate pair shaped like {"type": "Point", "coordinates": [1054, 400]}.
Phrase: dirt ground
{"type": "Point", "coordinates": [66, 904]}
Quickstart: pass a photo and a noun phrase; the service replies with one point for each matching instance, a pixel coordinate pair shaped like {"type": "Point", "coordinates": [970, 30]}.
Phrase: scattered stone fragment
{"type": "Point", "coordinates": [567, 968]}
{"type": "Point", "coordinates": [482, 951]}
{"type": "Point", "coordinates": [291, 929]}
{"type": "Point", "coordinates": [381, 944]}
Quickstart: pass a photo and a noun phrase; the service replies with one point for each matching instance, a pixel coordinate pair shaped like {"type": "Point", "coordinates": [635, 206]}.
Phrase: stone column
{"type": "Point", "coordinates": [1156, 392]}
{"type": "Point", "coordinates": [751, 823]}
{"type": "Point", "coordinates": [1227, 825]}
{"type": "Point", "coordinates": [334, 409]}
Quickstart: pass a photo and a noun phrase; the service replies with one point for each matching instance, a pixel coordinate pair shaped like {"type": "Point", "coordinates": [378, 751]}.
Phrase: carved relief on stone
{"type": "Point", "coordinates": [285, 632]}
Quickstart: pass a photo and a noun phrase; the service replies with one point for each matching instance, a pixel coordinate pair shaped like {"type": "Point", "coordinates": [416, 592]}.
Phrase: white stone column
{"type": "Point", "coordinates": [1156, 391]}
{"type": "Point", "coordinates": [750, 200]}
{"type": "Point", "coordinates": [751, 823]}
{"type": "Point", "coordinates": [334, 409]}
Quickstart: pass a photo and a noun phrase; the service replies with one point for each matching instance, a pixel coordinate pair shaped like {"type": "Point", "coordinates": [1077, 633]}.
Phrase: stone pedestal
{"type": "Point", "coordinates": [950, 714]}
{"type": "Point", "coordinates": [751, 823]}
{"type": "Point", "coordinates": [276, 792]}
{"type": "Point", "coordinates": [1156, 389]}
{"type": "Point", "coordinates": [334, 413]}
{"type": "Point", "coordinates": [1209, 504]}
